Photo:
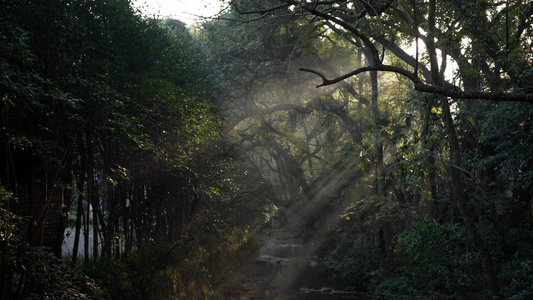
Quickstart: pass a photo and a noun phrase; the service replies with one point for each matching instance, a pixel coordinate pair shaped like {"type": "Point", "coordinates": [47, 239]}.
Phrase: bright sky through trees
{"type": "Point", "coordinates": [188, 11]}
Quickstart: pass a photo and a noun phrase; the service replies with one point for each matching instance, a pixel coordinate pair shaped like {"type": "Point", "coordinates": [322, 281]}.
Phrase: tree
{"type": "Point", "coordinates": [112, 114]}
{"type": "Point", "coordinates": [446, 29]}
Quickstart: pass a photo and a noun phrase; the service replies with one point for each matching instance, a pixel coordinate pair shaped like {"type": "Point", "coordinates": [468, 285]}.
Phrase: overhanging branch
{"type": "Point", "coordinates": [423, 87]}
{"type": "Point", "coordinates": [387, 68]}
{"type": "Point", "coordinates": [267, 111]}
{"type": "Point", "coordinates": [260, 11]}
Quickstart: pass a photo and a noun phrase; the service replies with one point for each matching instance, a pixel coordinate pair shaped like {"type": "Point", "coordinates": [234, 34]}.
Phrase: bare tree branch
{"type": "Point", "coordinates": [236, 120]}
{"type": "Point", "coordinates": [423, 87]}
{"type": "Point", "coordinates": [260, 11]}
{"type": "Point", "coordinates": [419, 85]}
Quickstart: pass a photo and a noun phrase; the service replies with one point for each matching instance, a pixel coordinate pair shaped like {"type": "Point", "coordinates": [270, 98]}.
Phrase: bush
{"type": "Point", "coordinates": [33, 272]}
{"type": "Point", "coordinates": [434, 262]}
{"type": "Point", "coordinates": [44, 276]}
{"type": "Point", "coordinates": [194, 269]}
{"type": "Point", "coordinates": [350, 263]}
{"type": "Point", "coordinates": [512, 249]}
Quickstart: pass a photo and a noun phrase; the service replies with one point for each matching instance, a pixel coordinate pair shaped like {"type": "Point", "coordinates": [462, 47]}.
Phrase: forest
{"type": "Point", "coordinates": [394, 137]}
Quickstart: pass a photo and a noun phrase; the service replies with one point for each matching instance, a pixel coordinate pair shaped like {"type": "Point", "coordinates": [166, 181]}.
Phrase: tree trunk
{"type": "Point", "coordinates": [127, 219]}
{"type": "Point", "coordinates": [386, 229]}
{"type": "Point", "coordinates": [79, 213]}
{"type": "Point", "coordinates": [80, 186]}
{"type": "Point", "coordinates": [378, 145]}
{"type": "Point", "coordinates": [92, 194]}
{"type": "Point", "coordinates": [67, 201]}
{"type": "Point", "coordinates": [455, 157]}
{"type": "Point", "coordinates": [86, 228]}
{"type": "Point", "coordinates": [428, 146]}
{"type": "Point", "coordinates": [462, 202]}
{"type": "Point", "coordinates": [91, 200]}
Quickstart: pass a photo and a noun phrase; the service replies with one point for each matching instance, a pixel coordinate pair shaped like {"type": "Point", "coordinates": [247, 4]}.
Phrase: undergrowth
{"type": "Point", "coordinates": [196, 269]}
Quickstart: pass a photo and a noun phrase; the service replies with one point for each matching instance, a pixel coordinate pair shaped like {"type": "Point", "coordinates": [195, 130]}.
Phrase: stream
{"type": "Point", "coordinates": [286, 268]}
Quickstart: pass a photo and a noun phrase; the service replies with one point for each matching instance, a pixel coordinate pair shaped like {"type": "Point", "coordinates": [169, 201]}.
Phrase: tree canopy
{"type": "Point", "coordinates": [402, 88]}
{"type": "Point", "coordinates": [395, 135]}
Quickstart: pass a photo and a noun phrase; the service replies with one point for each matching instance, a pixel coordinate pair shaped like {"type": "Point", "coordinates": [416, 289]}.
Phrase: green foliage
{"type": "Point", "coordinates": [502, 183]}
{"type": "Point", "coordinates": [129, 275]}
{"type": "Point", "coordinates": [234, 194]}
{"type": "Point", "coordinates": [504, 155]}
{"type": "Point", "coordinates": [33, 272]}
{"type": "Point", "coordinates": [10, 240]}
{"type": "Point", "coordinates": [44, 276]}
{"type": "Point", "coordinates": [351, 262]}
{"type": "Point", "coordinates": [9, 223]}
{"type": "Point", "coordinates": [184, 270]}
{"type": "Point", "coordinates": [516, 276]}
{"type": "Point", "coordinates": [512, 247]}
{"type": "Point", "coordinates": [433, 262]}
{"type": "Point", "coordinates": [120, 111]}
{"type": "Point", "coordinates": [89, 89]}
{"type": "Point", "coordinates": [373, 211]}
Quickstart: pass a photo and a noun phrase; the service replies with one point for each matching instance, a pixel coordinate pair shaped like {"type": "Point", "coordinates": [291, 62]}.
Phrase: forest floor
{"type": "Point", "coordinates": [286, 268]}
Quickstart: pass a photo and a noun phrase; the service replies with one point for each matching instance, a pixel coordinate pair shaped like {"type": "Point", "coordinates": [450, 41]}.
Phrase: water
{"type": "Point", "coordinates": [288, 269]}
{"type": "Point", "coordinates": [68, 244]}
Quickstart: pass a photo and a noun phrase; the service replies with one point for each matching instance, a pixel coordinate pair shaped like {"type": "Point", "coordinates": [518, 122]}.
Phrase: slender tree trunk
{"type": "Point", "coordinates": [67, 203]}
{"type": "Point", "coordinates": [108, 236]}
{"type": "Point", "coordinates": [455, 157]}
{"type": "Point", "coordinates": [385, 231]}
{"type": "Point", "coordinates": [136, 208]}
{"type": "Point", "coordinates": [462, 202]}
{"type": "Point", "coordinates": [378, 144]}
{"type": "Point", "coordinates": [428, 147]}
{"type": "Point", "coordinates": [92, 194]}
{"type": "Point", "coordinates": [95, 231]}
{"type": "Point", "coordinates": [86, 225]}
{"type": "Point", "coordinates": [79, 214]}
{"type": "Point", "coordinates": [80, 187]}
{"type": "Point", "coordinates": [126, 220]}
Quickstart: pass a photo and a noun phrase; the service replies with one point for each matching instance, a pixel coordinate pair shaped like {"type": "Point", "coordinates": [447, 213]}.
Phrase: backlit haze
{"type": "Point", "coordinates": [187, 11]}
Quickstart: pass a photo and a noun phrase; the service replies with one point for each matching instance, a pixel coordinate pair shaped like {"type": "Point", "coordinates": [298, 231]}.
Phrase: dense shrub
{"type": "Point", "coordinates": [190, 269]}
{"type": "Point", "coordinates": [351, 263]}
{"type": "Point", "coordinates": [434, 262]}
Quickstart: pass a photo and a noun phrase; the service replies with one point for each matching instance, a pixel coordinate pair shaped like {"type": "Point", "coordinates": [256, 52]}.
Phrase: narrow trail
{"type": "Point", "coordinates": [286, 268]}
